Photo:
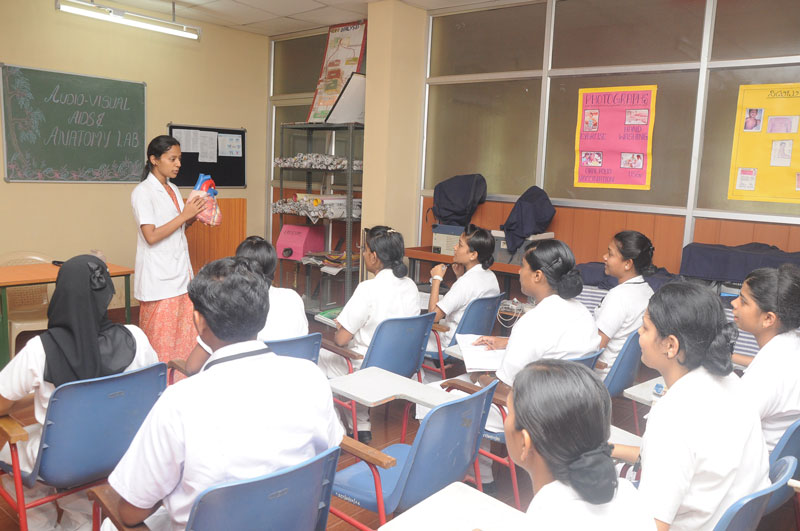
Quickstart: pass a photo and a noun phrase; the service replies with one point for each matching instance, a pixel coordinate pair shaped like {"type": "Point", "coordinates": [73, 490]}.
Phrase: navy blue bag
{"type": "Point", "coordinates": [457, 198]}
{"type": "Point", "coordinates": [532, 213]}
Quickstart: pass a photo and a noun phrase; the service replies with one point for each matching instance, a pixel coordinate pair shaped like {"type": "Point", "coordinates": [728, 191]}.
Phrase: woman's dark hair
{"type": "Point", "coordinates": [157, 147]}
{"type": "Point", "coordinates": [481, 241]}
{"type": "Point", "coordinates": [695, 315]}
{"type": "Point", "coordinates": [635, 246]}
{"type": "Point", "coordinates": [556, 261]}
{"type": "Point", "coordinates": [566, 410]}
{"type": "Point", "coordinates": [389, 246]}
{"type": "Point", "coordinates": [262, 252]}
{"type": "Point", "coordinates": [777, 291]}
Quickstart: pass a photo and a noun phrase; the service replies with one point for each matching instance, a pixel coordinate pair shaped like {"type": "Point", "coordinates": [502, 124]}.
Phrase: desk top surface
{"type": "Point", "coordinates": [425, 254]}
{"type": "Point", "coordinates": [374, 386]}
{"type": "Point", "coordinates": [22, 275]}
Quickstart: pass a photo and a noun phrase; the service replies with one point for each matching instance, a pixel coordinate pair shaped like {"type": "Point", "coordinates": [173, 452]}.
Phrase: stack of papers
{"type": "Point", "coordinates": [477, 357]}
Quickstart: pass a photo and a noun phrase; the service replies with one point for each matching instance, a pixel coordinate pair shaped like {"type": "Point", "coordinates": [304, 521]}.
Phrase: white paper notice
{"type": "Point", "coordinates": [477, 357]}
{"type": "Point", "coordinates": [230, 145]}
{"type": "Point", "coordinates": [746, 179]}
{"type": "Point", "coordinates": [207, 146]}
{"type": "Point", "coordinates": [187, 139]}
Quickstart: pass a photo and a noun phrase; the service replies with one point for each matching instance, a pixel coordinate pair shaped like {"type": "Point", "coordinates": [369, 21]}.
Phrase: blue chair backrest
{"type": "Point", "coordinates": [296, 497]}
{"type": "Point", "coordinates": [479, 316]}
{"type": "Point", "coordinates": [745, 514]}
{"type": "Point", "coordinates": [788, 445]}
{"type": "Point", "coordinates": [623, 371]}
{"type": "Point", "coordinates": [444, 448]}
{"type": "Point", "coordinates": [90, 424]}
{"type": "Point", "coordinates": [398, 345]}
{"type": "Point", "coordinates": [590, 359]}
{"type": "Point", "coordinates": [303, 347]}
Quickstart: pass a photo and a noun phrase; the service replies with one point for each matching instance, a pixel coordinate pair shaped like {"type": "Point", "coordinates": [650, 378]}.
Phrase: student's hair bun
{"type": "Point", "coordinates": [593, 475]}
{"type": "Point", "coordinates": [399, 268]}
{"type": "Point", "coordinates": [570, 285]}
{"type": "Point", "coordinates": [556, 261]}
{"type": "Point", "coordinates": [481, 241]}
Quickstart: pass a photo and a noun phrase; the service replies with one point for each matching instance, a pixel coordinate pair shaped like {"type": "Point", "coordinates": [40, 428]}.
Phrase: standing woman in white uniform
{"type": "Point", "coordinates": [769, 308]}
{"type": "Point", "coordinates": [163, 270]}
{"type": "Point", "coordinates": [557, 428]}
{"type": "Point", "coordinates": [703, 448]}
{"type": "Point", "coordinates": [390, 294]}
{"type": "Point", "coordinates": [629, 259]}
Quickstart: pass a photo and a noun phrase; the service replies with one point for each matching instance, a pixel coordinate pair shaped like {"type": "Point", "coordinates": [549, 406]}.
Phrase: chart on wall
{"type": "Point", "coordinates": [60, 127]}
{"type": "Point", "coordinates": [765, 159]}
{"type": "Point", "coordinates": [344, 55]}
{"type": "Point", "coordinates": [614, 137]}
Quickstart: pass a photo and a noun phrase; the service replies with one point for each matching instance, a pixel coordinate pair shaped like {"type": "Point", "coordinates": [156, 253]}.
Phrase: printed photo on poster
{"type": "Point", "coordinates": [636, 116]}
{"type": "Point", "coordinates": [592, 158]}
{"type": "Point", "coordinates": [631, 160]}
{"type": "Point", "coordinates": [781, 153]}
{"type": "Point", "coordinates": [752, 121]}
{"type": "Point", "coordinates": [782, 124]}
{"type": "Point", "coordinates": [746, 179]}
{"type": "Point", "coordinates": [591, 119]}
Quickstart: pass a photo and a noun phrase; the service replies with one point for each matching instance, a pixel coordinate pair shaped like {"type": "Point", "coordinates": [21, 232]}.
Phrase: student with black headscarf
{"type": "Point", "coordinates": [80, 343]}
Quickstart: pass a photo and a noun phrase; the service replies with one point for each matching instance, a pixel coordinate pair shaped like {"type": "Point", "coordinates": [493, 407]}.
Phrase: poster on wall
{"type": "Point", "coordinates": [614, 137]}
{"type": "Point", "coordinates": [765, 163]}
{"type": "Point", "coordinates": [344, 55]}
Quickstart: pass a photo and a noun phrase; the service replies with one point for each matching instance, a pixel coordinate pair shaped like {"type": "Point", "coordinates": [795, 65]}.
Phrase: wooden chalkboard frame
{"type": "Point", "coordinates": [57, 166]}
{"type": "Point", "coordinates": [227, 172]}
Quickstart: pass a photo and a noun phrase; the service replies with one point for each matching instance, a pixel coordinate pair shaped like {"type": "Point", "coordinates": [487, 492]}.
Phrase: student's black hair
{"type": "Point", "coordinates": [566, 410]}
{"type": "Point", "coordinates": [481, 241]}
{"type": "Point", "coordinates": [777, 291]}
{"type": "Point", "coordinates": [233, 296]}
{"type": "Point", "coordinates": [695, 315]}
{"type": "Point", "coordinates": [390, 248]}
{"type": "Point", "coordinates": [258, 249]}
{"type": "Point", "coordinates": [635, 246]}
{"type": "Point", "coordinates": [157, 147]}
{"type": "Point", "coordinates": [556, 261]}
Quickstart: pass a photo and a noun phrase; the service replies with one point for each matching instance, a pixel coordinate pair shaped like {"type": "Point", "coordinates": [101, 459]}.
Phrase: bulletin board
{"type": "Point", "coordinates": [215, 151]}
{"type": "Point", "coordinates": [765, 159]}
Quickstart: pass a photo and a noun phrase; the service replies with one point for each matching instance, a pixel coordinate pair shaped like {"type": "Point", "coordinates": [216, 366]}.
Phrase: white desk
{"type": "Point", "coordinates": [620, 436]}
{"type": "Point", "coordinates": [374, 386]}
{"type": "Point", "coordinates": [458, 507]}
{"type": "Point", "coordinates": [643, 392]}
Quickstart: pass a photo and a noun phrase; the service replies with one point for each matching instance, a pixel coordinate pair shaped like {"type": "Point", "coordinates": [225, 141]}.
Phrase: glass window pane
{"type": "Point", "coordinates": [297, 64]}
{"type": "Point", "coordinates": [617, 32]}
{"type": "Point", "coordinates": [486, 128]}
{"type": "Point", "coordinates": [496, 40]}
{"type": "Point", "coordinates": [745, 29]}
{"type": "Point", "coordinates": [723, 96]}
{"type": "Point", "coordinates": [672, 138]}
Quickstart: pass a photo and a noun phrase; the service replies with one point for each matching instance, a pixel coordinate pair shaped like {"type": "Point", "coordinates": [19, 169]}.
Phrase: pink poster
{"type": "Point", "coordinates": [614, 137]}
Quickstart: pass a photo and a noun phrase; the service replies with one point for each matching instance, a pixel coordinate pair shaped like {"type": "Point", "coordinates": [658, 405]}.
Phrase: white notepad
{"type": "Point", "coordinates": [477, 357]}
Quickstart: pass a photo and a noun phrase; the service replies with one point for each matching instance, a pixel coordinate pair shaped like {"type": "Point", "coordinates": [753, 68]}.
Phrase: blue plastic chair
{"type": "Point", "coordinates": [788, 445]}
{"type": "Point", "coordinates": [478, 318]}
{"type": "Point", "coordinates": [296, 497]}
{"type": "Point", "coordinates": [303, 347]}
{"type": "Point", "coordinates": [443, 451]}
{"type": "Point", "coordinates": [623, 372]}
{"type": "Point", "coordinates": [88, 427]}
{"type": "Point", "coordinates": [745, 514]}
{"type": "Point", "coordinates": [590, 359]}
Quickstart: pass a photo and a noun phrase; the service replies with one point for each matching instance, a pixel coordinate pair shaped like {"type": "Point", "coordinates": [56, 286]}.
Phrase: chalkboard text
{"type": "Point", "coordinates": [80, 99]}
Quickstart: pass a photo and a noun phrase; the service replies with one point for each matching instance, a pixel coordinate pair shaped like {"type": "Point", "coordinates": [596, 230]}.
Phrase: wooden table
{"type": "Point", "coordinates": [374, 386]}
{"type": "Point", "coordinates": [424, 254]}
{"type": "Point", "coordinates": [32, 274]}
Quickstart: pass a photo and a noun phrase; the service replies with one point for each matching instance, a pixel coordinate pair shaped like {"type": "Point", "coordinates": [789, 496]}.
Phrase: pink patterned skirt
{"type": "Point", "coordinates": [169, 326]}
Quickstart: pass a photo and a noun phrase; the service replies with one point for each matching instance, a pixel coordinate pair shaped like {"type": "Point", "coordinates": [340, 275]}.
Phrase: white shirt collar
{"type": "Point", "coordinates": [384, 272]}
{"type": "Point", "coordinates": [235, 348]}
{"type": "Point", "coordinates": [635, 280]}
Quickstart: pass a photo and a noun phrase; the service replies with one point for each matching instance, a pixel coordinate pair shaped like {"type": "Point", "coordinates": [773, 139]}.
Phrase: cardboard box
{"type": "Point", "coordinates": [501, 253]}
{"type": "Point", "coordinates": [295, 241]}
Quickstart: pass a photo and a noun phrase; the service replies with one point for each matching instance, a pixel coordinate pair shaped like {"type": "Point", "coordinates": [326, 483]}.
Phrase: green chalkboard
{"type": "Point", "coordinates": [69, 128]}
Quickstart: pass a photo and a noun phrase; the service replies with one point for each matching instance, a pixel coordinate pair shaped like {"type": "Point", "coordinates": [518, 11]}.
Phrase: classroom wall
{"type": "Point", "coordinates": [220, 80]}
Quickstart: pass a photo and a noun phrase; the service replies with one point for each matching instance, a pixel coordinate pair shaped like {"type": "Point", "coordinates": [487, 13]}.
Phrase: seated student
{"type": "Point", "coordinates": [390, 294]}
{"type": "Point", "coordinates": [769, 308]}
{"type": "Point", "coordinates": [703, 448]}
{"type": "Point", "coordinates": [230, 421]}
{"type": "Point", "coordinates": [629, 259]}
{"type": "Point", "coordinates": [475, 248]}
{"type": "Point", "coordinates": [288, 316]}
{"type": "Point", "coordinates": [80, 343]}
{"type": "Point", "coordinates": [557, 428]}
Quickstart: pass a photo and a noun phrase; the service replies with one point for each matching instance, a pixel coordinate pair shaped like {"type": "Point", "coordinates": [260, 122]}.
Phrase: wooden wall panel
{"type": "Point", "coordinates": [793, 244]}
{"type": "Point", "coordinates": [585, 235]}
{"type": "Point", "coordinates": [771, 234]}
{"type": "Point", "coordinates": [667, 238]}
{"type": "Point", "coordinates": [210, 243]}
{"type": "Point", "coordinates": [611, 222]}
{"type": "Point", "coordinates": [706, 230]}
{"type": "Point", "coordinates": [736, 232]}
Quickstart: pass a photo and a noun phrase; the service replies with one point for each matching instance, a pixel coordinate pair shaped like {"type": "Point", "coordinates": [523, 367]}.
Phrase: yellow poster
{"type": "Point", "coordinates": [765, 159]}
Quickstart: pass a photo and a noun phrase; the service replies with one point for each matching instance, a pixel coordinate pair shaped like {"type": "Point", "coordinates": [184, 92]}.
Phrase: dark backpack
{"type": "Point", "coordinates": [457, 198]}
{"type": "Point", "coordinates": [532, 213]}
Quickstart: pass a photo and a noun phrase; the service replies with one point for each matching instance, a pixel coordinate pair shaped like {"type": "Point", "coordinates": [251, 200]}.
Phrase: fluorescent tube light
{"type": "Point", "coordinates": [126, 18]}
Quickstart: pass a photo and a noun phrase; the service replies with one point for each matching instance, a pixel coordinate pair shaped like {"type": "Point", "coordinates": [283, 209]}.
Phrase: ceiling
{"type": "Point", "coordinates": [274, 17]}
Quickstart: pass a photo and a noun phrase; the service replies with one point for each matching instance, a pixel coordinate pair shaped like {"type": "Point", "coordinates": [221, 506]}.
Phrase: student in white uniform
{"type": "Point", "coordinates": [474, 255]}
{"type": "Point", "coordinates": [163, 270]}
{"type": "Point", "coordinates": [703, 448]}
{"type": "Point", "coordinates": [287, 316]}
{"type": "Point", "coordinates": [769, 308]}
{"type": "Point", "coordinates": [80, 343]}
{"type": "Point", "coordinates": [629, 259]}
{"type": "Point", "coordinates": [389, 295]}
{"type": "Point", "coordinates": [231, 421]}
{"type": "Point", "coordinates": [557, 428]}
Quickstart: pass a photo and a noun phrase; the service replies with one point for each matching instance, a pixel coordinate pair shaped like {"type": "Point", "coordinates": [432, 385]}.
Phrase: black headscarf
{"type": "Point", "coordinates": [81, 342]}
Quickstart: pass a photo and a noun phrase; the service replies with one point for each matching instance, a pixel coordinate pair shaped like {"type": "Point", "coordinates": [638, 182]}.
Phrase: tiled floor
{"type": "Point", "coordinates": [386, 431]}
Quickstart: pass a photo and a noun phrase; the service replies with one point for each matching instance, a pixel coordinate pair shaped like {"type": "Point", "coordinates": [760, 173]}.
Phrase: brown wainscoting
{"type": "Point", "coordinates": [207, 244]}
{"type": "Point", "coordinates": [732, 232]}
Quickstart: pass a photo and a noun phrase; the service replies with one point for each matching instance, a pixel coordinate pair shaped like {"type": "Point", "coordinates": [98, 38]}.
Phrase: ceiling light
{"type": "Point", "coordinates": [126, 18]}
